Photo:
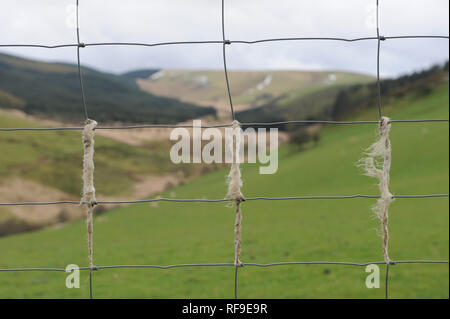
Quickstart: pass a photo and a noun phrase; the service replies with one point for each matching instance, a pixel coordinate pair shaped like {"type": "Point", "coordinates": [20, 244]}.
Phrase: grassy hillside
{"type": "Point", "coordinates": [334, 102]}
{"type": "Point", "coordinates": [249, 88]}
{"type": "Point", "coordinates": [37, 164]}
{"type": "Point", "coordinates": [303, 230]}
{"type": "Point", "coordinates": [53, 159]}
{"type": "Point", "coordinates": [316, 103]}
{"type": "Point", "coordinates": [52, 90]}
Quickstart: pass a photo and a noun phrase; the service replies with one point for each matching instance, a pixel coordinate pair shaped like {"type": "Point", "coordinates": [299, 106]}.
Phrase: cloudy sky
{"type": "Point", "coordinates": [53, 22]}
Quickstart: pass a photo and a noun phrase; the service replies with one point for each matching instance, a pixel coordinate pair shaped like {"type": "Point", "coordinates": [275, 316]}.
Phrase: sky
{"type": "Point", "coordinates": [52, 22]}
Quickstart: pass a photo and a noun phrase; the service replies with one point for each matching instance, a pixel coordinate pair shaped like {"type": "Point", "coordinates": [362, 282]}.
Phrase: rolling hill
{"type": "Point", "coordinates": [304, 230]}
{"type": "Point", "coordinates": [334, 103]}
{"type": "Point", "coordinates": [52, 90]}
{"type": "Point", "coordinates": [249, 88]}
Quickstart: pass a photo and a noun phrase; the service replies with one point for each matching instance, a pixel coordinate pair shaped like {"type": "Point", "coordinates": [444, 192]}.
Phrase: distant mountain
{"type": "Point", "coordinates": [249, 88]}
{"type": "Point", "coordinates": [52, 90]}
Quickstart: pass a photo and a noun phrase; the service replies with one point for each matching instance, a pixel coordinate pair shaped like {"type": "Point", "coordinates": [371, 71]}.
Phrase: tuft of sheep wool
{"type": "Point", "coordinates": [88, 194]}
{"type": "Point", "coordinates": [237, 234]}
{"type": "Point", "coordinates": [377, 163]}
{"type": "Point", "coordinates": [234, 181]}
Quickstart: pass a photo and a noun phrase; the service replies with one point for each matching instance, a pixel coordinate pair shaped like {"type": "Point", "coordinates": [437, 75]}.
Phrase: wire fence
{"type": "Point", "coordinates": [379, 38]}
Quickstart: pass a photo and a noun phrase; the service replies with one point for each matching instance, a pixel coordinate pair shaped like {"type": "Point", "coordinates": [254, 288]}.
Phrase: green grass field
{"type": "Point", "coordinates": [273, 231]}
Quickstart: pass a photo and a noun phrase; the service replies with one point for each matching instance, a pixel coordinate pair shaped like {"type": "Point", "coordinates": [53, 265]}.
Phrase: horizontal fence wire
{"type": "Point", "coordinates": [85, 45]}
{"type": "Point", "coordinates": [244, 124]}
{"type": "Point", "coordinates": [220, 200]}
{"type": "Point", "coordinates": [224, 42]}
{"type": "Point", "coordinates": [288, 263]}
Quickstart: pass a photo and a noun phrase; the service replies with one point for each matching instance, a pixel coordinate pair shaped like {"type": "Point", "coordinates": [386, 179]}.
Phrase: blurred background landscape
{"type": "Point", "coordinates": [279, 82]}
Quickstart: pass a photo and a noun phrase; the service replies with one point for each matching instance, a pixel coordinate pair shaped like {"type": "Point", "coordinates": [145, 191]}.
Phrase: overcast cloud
{"type": "Point", "coordinates": [52, 22]}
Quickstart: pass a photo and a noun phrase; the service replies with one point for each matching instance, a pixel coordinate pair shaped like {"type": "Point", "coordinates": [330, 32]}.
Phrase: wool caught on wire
{"type": "Point", "coordinates": [234, 187]}
{"type": "Point", "coordinates": [377, 163]}
{"type": "Point", "coordinates": [88, 194]}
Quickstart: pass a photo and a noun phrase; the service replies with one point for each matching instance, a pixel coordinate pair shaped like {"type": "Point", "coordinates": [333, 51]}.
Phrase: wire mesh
{"type": "Point", "coordinates": [224, 42]}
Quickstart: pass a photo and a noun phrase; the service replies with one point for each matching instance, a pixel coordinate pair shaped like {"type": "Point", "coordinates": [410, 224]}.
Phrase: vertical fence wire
{"type": "Point", "coordinates": [380, 106]}
{"type": "Point", "coordinates": [225, 69]}
{"type": "Point", "coordinates": [224, 55]}
{"type": "Point", "coordinates": [380, 112]}
{"type": "Point", "coordinates": [83, 99]}
{"type": "Point", "coordinates": [80, 76]}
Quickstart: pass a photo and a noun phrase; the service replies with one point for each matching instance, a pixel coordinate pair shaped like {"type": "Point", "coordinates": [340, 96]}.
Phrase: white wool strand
{"type": "Point", "coordinates": [234, 180]}
{"type": "Point", "coordinates": [88, 194]}
{"type": "Point", "coordinates": [377, 163]}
